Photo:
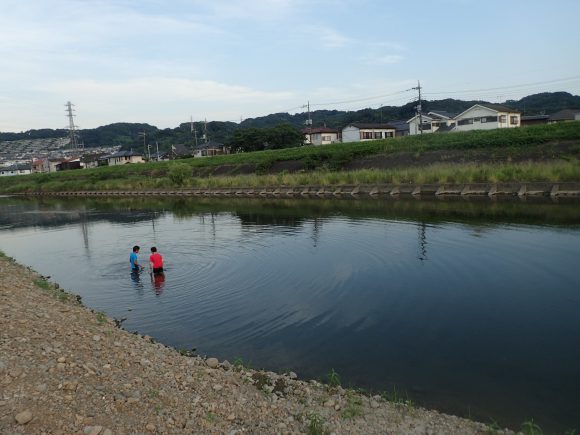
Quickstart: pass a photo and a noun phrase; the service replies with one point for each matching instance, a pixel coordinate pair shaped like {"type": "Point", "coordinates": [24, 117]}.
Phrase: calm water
{"type": "Point", "coordinates": [470, 307]}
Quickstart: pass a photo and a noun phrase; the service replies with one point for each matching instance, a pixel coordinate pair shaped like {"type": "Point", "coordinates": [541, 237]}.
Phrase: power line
{"type": "Point", "coordinates": [574, 78]}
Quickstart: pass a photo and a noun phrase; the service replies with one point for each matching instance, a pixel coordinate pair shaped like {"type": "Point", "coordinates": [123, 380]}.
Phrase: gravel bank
{"type": "Point", "coordinates": [67, 370]}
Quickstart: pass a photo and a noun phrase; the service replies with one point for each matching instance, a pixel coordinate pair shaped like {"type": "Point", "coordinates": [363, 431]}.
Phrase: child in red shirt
{"type": "Point", "coordinates": [156, 261]}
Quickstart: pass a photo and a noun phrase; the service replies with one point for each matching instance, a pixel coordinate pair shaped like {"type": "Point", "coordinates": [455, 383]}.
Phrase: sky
{"type": "Point", "coordinates": [164, 62]}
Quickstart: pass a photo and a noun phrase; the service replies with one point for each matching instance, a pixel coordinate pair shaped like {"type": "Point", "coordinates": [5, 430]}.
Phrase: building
{"type": "Point", "coordinates": [401, 128]}
{"type": "Point", "coordinates": [69, 164]}
{"type": "Point", "coordinates": [534, 120]}
{"type": "Point", "coordinates": [565, 115]}
{"type": "Point", "coordinates": [124, 157]}
{"type": "Point", "coordinates": [320, 136]}
{"type": "Point", "coordinates": [431, 122]}
{"type": "Point", "coordinates": [17, 169]}
{"type": "Point", "coordinates": [362, 132]}
{"type": "Point", "coordinates": [210, 149]}
{"type": "Point", "coordinates": [487, 117]}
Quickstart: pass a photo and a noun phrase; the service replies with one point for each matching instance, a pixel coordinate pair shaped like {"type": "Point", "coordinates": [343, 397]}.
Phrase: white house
{"type": "Point", "coordinates": [124, 157]}
{"type": "Point", "coordinates": [362, 132]}
{"type": "Point", "coordinates": [17, 169]}
{"type": "Point", "coordinates": [487, 117]}
{"type": "Point", "coordinates": [432, 122]}
{"type": "Point", "coordinates": [320, 136]}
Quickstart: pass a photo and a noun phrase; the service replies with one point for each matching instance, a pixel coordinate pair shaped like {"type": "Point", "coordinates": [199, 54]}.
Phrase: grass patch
{"type": "Point", "coordinates": [531, 428]}
{"type": "Point", "coordinates": [333, 379]}
{"type": "Point", "coordinates": [316, 424]}
{"type": "Point", "coordinates": [353, 407]}
{"type": "Point", "coordinates": [239, 364]}
{"type": "Point", "coordinates": [101, 317]}
{"type": "Point", "coordinates": [397, 397]}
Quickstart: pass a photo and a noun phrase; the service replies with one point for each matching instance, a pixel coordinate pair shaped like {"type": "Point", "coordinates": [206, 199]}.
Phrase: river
{"type": "Point", "coordinates": [469, 307]}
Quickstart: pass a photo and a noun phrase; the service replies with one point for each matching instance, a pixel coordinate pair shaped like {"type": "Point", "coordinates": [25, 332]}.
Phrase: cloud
{"type": "Point", "coordinates": [387, 59]}
{"type": "Point", "coordinates": [163, 89]}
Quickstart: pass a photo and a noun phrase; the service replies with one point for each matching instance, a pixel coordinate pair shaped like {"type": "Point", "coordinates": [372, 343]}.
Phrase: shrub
{"type": "Point", "coordinates": [178, 173]}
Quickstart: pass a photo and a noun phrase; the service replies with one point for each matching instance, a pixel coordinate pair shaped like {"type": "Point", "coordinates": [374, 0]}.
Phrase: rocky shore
{"type": "Point", "coordinates": [65, 369]}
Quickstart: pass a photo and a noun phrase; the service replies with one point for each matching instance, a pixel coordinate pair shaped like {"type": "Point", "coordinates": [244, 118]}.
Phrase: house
{"type": "Point", "coordinates": [565, 115]}
{"type": "Point", "coordinates": [91, 160]}
{"type": "Point", "coordinates": [38, 165]}
{"type": "Point", "coordinates": [124, 157]}
{"type": "Point", "coordinates": [431, 122]}
{"type": "Point", "coordinates": [320, 136]}
{"type": "Point", "coordinates": [209, 149]}
{"type": "Point", "coordinates": [69, 164]}
{"type": "Point", "coordinates": [401, 128]}
{"type": "Point", "coordinates": [17, 169]}
{"type": "Point", "coordinates": [534, 120]}
{"type": "Point", "coordinates": [361, 132]}
{"type": "Point", "coordinates": [51, 163]}
{"type": "Point", "coordinates": [179, 151]}
{"type": "Point", "coordinates": [487, 117]}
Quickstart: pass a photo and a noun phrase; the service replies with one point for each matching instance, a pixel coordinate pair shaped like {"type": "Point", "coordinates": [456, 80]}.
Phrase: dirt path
{"type": "Point", "coordinates": [67, 370]}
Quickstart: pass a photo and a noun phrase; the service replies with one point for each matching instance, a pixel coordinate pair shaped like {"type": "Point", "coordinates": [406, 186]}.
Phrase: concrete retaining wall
{"type": "Point", "coordinates": [522, 190]}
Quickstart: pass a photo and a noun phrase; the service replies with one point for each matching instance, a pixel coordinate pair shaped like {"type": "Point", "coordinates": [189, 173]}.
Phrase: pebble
{"type": "Point", "coordinates": [23, 417]}
{"type": "Point", "coordinates": [212, 363]}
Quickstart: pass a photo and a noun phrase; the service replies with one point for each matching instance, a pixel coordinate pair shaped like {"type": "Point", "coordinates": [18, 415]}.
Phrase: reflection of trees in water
{"type": "Point", "coordinates": [481, 213]}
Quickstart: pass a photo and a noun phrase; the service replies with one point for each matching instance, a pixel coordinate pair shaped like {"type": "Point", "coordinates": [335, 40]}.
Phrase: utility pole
{"type": "Point", "coordinates": [144, 135]}
{"type": "Point", "coordinates": [308, 122]}
{"type": "Point", "coordinates": [419, 109]}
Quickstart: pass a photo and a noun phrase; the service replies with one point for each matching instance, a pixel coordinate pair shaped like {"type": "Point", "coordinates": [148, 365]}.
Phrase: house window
{"type": "Point", "coordinates": [388, 134]}
{"type": "Point", "coordinates": [476, 119]}
{"type": "Point", "coordinates": [378, 135]}
{"type": "Point", "coordinates": [483, 119]}
{"type": "Point", "coordinates": [326, 138]}
{"type": "Point", "coordinates": [513, 120]}
{"type": "Point", "coordinates": [367, 135]}
{"type": "Point", "coordinates": [465, 121]}
{"type": "Point", "coordinates": [503, 119]}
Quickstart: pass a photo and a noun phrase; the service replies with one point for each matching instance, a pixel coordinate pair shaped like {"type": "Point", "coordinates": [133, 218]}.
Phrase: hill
{"type": "Point", "coordinates": [129, 135]}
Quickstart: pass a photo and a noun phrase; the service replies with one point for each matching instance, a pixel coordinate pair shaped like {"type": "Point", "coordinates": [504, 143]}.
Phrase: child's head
{"type": "Point", "coordinates": [153, 249]}
{"type": "Point", "coordinates": [136, 248]}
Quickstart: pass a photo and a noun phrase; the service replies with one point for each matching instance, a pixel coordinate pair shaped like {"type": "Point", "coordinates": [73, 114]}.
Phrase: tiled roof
{"type": "Point", "coordinates": [124, 154]}
{"type": "Point", "coordinates": [564, 115]}
{"type": "Point", "coordinates": [319, 130]}
{"type": "Point", "coordinates": [370, 125]}
{"type": "Point", "coordinates": [499, 108]}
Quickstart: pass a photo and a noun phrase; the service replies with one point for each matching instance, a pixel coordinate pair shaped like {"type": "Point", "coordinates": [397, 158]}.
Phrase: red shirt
{"type": "Point", "coordinates": [156, 259]}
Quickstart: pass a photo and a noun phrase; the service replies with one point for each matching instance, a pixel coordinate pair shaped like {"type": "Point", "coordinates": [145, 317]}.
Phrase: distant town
{"type": "Point", "coordinates": [46, 155]}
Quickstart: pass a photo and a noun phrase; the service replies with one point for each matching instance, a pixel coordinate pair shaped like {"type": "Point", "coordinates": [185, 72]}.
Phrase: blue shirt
{"type": "Point", "coordinates": [132, 260]}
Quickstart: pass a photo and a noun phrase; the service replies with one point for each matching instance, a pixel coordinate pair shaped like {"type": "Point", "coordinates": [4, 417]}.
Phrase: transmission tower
{"type": "Point", "coordinates": [71, 125]}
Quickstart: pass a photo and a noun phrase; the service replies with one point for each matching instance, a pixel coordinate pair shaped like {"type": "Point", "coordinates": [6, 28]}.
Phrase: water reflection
{"type": "Point", "coordinates": [158, 281]}
{"type": "Point", "coordinates": [464, 305]}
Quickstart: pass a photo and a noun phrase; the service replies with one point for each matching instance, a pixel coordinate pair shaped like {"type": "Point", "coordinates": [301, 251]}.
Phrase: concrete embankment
{"type": "Point", "coordinates": [491, 190]}
{"type": "Point", "coordinates": [65, 369]}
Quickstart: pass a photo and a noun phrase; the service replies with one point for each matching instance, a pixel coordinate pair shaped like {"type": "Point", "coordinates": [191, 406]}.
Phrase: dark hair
{"type": "Point", "coordinates": [153, 249]}
{"type": "Point", "coordinates": [136, 248]}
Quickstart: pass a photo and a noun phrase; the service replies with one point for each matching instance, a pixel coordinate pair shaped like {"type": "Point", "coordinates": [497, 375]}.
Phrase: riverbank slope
{"type": "Point", "coordinates": [545, 153]}
{"type": "Point", "coordinates": [65, 369]}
